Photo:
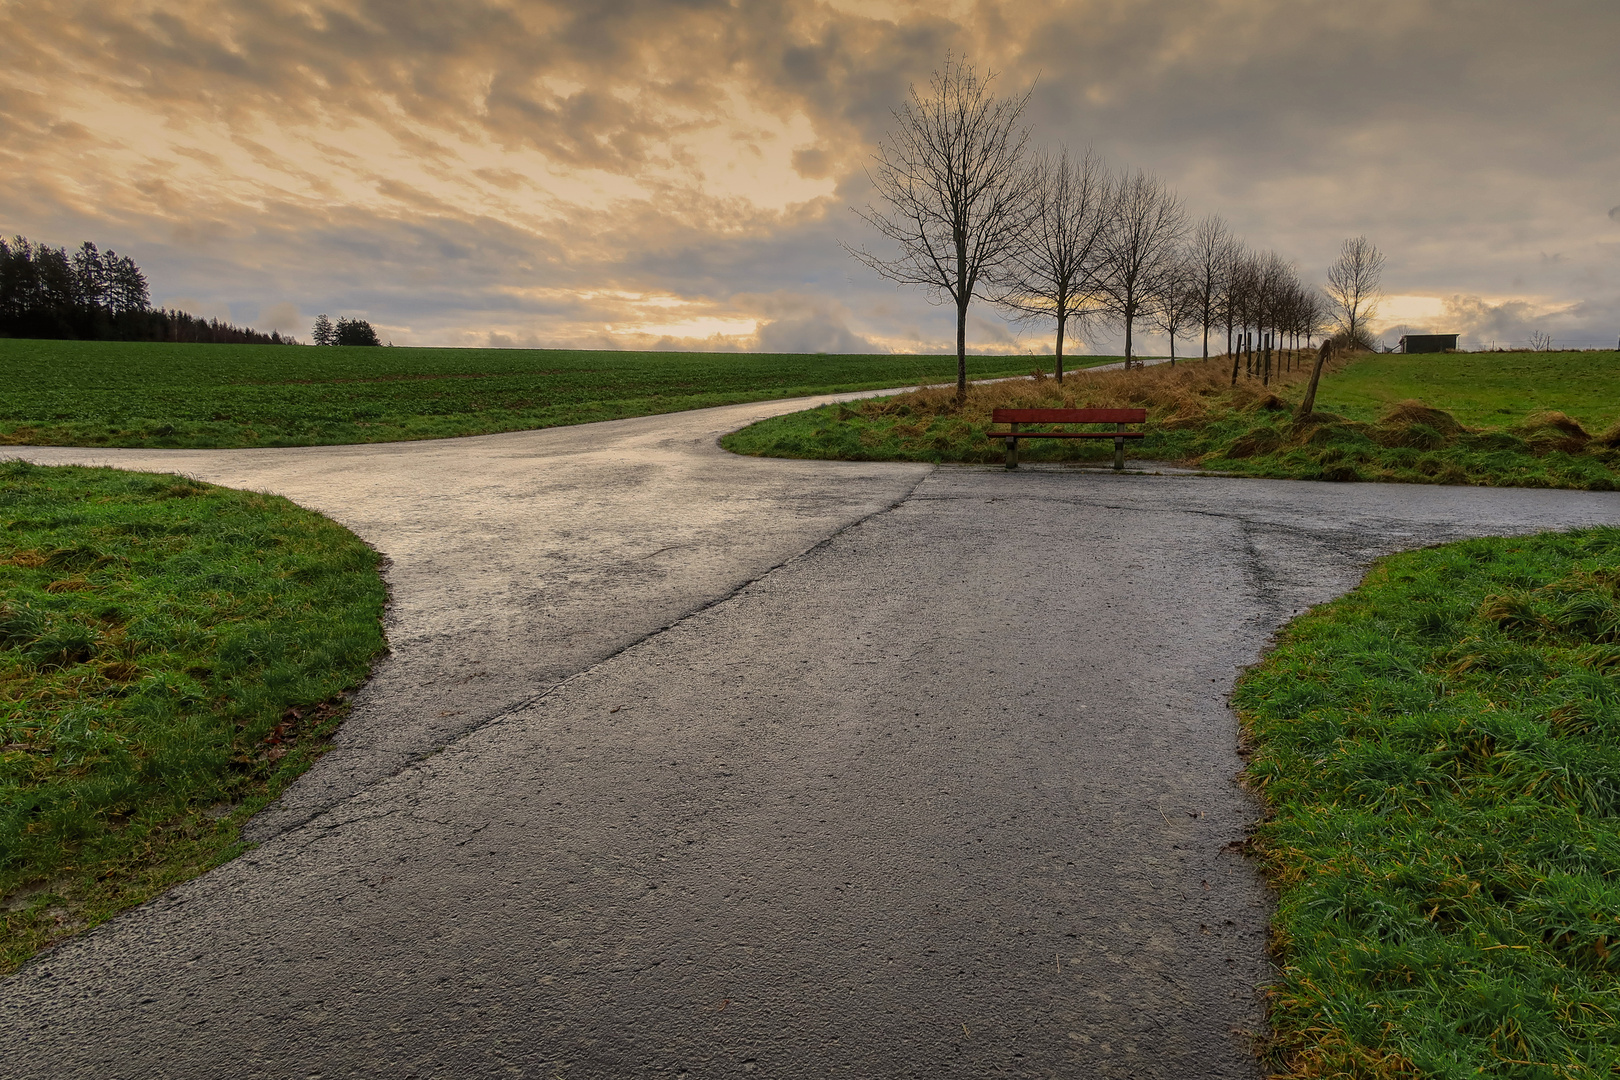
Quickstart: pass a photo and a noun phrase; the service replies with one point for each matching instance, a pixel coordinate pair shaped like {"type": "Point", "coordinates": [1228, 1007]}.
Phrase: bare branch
{"type": "Point", "coordinates": [1354, 287]}
{"type": "Point", "coordinates": [1145, 230]}
{"type": "Point", "coordinates": [951, 173]}
{"type": "Point", "coordinates": [1055, 273]}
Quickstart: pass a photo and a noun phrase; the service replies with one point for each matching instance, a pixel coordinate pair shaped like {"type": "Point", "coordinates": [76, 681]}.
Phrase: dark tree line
{"type": "Point", "coordinates": [92, 295]}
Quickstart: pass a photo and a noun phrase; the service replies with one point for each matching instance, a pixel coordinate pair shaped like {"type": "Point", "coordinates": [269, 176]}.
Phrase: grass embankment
{"type": "Point", "coordinates": [1197, 417]}
{"type": "Point", "coordinates": [172, 654]}
{"type": "Point", "coordinates": [97, 393]}
{"type": "Point", "coordinates": [1482, 389]}
{"type": "Point", "coordinates": [1440, 752]}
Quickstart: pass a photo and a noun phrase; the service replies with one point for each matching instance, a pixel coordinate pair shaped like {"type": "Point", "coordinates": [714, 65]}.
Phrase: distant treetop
{"type": "Point", "coordinates": [345, 332]}
{"type": "Point", "coordinates": [356, 332]}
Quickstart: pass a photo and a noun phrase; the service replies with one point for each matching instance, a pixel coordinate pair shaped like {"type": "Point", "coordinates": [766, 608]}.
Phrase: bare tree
{"type": "Point", "coordinates": [1145, 231]}
{"type": "Point", "coordinates": [1315, 315]}
{"type": "Point", "coordinates": [952, 175]}
{"type": "Point", "coordinates": [1306, 306]}
{"type": "Point", "coordinates": [1175, 308]}
{"type": "Point", "coordinates": [1276, 278]}
{"type": "Point", "coordinates": [1231, 301]}
{"type": "Point", "coordinates": [1353, 286]}
{"type": "Point", "coordinates": [1243, 291]}
{"type": "Point", "coordinates": [1209, 253]}
{"type": "Point", "coordinates": [1054, 273]}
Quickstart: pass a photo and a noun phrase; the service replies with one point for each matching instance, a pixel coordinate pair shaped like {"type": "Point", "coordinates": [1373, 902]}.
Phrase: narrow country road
{"type": "Point", "coordinates": [751, 767]}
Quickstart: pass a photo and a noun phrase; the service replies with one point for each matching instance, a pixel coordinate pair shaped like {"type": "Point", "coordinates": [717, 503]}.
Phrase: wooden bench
{"type": "Point", "coordinates": [1118, 417]}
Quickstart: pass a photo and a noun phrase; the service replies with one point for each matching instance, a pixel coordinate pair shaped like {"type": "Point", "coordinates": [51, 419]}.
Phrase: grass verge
{"type": "Point", "coordinates": [1440, 755]}
{"type": "Point", "coordinates": [172, 655]}
{"type": "Point", "coordinates": [105, 393]}
{"type": "Point", "coordinates": [1484, 389]}
{"type": "Point", "coordinates": [1197, 417]}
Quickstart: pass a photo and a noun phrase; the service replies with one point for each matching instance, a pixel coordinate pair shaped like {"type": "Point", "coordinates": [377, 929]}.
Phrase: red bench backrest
{"type": "Point", "coordinates": [1069, 416]}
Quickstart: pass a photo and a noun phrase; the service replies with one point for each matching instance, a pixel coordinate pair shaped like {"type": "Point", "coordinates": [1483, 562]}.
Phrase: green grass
{"type": "Point", "coordinates": [91, 393]}
{"type": "Point", "coordinates": [1440, 755]}
{"type": "Point", "coordinates": [1196, 417]}
{"type": "Point", "coordinates": [172, 654]}
{"type": "Point", "coordinates": [1483, 389]}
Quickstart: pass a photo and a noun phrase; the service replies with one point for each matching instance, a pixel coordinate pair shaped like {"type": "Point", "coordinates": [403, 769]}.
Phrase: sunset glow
{"type": "Point", "coordinates": [647, 174]}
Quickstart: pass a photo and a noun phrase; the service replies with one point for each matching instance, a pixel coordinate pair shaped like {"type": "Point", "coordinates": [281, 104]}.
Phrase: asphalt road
{"type": "Point", "coordinates": [752, 768]}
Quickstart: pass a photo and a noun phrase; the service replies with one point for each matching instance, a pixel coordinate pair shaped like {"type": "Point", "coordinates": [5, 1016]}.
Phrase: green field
{"type": "Point", "coordinates": [1439, 752]}
{"type": "Point", "coordinates": [172, 655]}
{"type": "Point", "coordinates": [1363, 429]}
{"type": "Point", "coordinates": [93, 393]}
{"type": "Point", "coordinates": [1482, 389]}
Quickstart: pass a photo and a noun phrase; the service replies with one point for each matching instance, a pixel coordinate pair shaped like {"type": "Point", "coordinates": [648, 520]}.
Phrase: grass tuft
{"type": "Point", "coordinates": [172, 655]}
{"type": "Point", "coordinates": [1440, 755]}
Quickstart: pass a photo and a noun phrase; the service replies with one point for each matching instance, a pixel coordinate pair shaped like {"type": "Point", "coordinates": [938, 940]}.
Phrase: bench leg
{"type": "Point", "coordinates": [1012, 453]}
{"type": "Point", "coordinates": [1119, 454]}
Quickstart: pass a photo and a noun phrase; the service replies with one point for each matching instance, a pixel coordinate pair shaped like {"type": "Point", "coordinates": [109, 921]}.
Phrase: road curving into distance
{"type": "Point", "coordinates": [690, 764]}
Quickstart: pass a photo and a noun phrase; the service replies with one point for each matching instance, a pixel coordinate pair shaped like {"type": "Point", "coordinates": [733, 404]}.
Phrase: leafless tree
{"type": "Point", "coordinates": [1353, 286]}
{"type": "Point", "coordinates": [952, 174]}
{"type": "Point", "coordinates": [1307, 311]}
{"type": "Point", "coordinates": [1145, 231]}
{"type": "Point", "coordinates": [1231, 301]}
{"type": "Point", "coordinates": [1055, 272]}
{"type": "Point", "coordinates": [1275, 280]}
{"type": "Point", "coordinates": [1210, 255]}
{"type": "Point", "coordinates": [1317, 317]}
{"type": "Point", "coordinates": [1244, 299]}
{"type": "Point", "coordinates": [1175, 309]}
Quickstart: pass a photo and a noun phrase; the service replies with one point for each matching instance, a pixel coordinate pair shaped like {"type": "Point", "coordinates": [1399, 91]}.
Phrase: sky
{"type": "Point", "coordinates": [636, 174]}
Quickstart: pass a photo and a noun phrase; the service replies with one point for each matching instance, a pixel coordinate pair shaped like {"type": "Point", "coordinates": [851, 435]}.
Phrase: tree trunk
{"type": "Point", "coordinates": [1058, 361]}
{"type": "Point", "coordinates": [961, 351]}
{"type": "Point", "coordinates": [1206, 341]}
{"type": "Point", "coordinates": [1172, 348]}
{"type": "Point", "coordinates": [1309, 404]}
{"type": "Point", "coordinates": [1236, 354]}
{"type": "Point", "coordinates": [1128, 321]}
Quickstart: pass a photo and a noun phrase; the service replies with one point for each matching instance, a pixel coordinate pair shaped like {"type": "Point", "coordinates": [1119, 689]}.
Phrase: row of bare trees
{"type": "Point", "coordinates": [1052, 236]}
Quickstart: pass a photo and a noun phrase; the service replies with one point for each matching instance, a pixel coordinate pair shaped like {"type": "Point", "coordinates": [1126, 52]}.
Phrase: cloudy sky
{"type": "Point", "coordinates": [635, 173]}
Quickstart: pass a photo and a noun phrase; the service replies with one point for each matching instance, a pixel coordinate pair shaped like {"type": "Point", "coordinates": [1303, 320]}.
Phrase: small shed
{"type": "Point", "coordinates": [1412, 343]}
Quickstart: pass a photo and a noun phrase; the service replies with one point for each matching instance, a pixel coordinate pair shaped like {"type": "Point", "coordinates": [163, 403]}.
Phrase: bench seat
{"type": "Point", "coordinates": [1118, 417]}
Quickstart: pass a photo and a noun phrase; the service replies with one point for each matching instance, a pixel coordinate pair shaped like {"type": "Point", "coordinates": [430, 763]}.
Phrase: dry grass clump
{"type": "Point", "coordinates": [1181, 396]}
{"type": "Point", "coordinates": [1410, 412]}
{"type": "Point", "coordinates": [1548, 431]}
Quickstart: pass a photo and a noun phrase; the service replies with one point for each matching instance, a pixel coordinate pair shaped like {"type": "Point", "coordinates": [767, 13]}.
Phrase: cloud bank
{"type": "Point", "coordinates": [636, 174]}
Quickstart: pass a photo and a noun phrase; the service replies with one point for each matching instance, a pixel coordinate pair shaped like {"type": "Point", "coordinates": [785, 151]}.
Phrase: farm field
{"type": "Point", "coordinates": [1482, 389]}
{"type": "Point", "coordinates": [142, 394]}
{"type": "Point", "coordinates": [1362, 428]}
{"type": "Point", "coordinates": [160, 680]}
{"type": "Point", "coordinates": [1438, 751]}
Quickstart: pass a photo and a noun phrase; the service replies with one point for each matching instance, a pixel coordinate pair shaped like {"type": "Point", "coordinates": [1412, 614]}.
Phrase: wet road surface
{"type": "Point", "coordinates": [752, 768]}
